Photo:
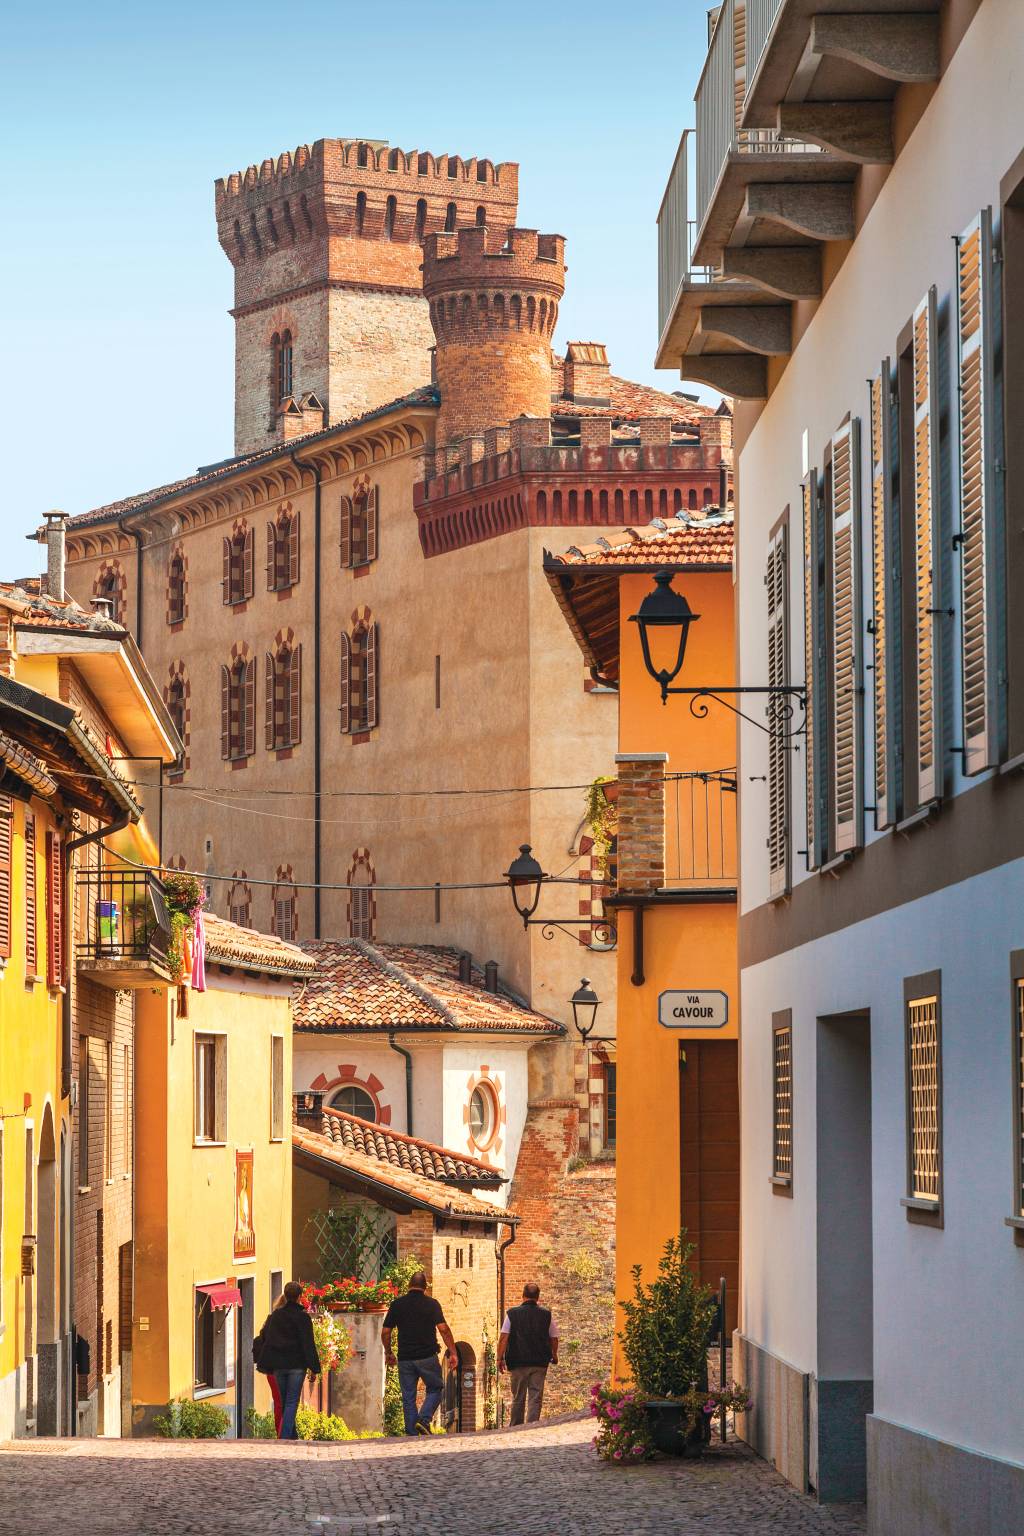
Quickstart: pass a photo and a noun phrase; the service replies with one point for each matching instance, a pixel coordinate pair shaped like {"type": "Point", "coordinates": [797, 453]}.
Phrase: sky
{"type": "Point", "coordinates": [117, 369]}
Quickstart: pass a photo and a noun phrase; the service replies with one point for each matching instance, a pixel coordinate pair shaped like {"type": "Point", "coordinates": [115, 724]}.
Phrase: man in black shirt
{"type": "Point", "coordinates": [527, 1345]}
{"type": "Point", "coordinates": [419, 1319]}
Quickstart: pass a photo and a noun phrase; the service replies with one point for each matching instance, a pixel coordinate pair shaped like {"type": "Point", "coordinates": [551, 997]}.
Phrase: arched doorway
{"type": "Point", "coordinates": [47, 1314]}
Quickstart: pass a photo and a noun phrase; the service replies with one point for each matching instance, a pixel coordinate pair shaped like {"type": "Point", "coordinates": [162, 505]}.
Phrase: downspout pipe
{"type": "Point", "coordinates": [408, 1079]}
{"type": "Point", "coordinates": [300, 465]}
{"type": "Point", "coordinates": [501, 1285]}
{"type": "Point", "coordinates": [69, 848]}
{"type": "Point", "coordinates": [137, 536]}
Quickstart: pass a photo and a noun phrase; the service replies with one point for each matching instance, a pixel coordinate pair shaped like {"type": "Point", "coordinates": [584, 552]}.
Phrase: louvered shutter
{"type": "Point", "coordinates": [271, 557]}
{"type": "Point", "coordinates": [739, 43]}
{"type": "Point", "coordinates": [372, 524]}
{"type": "Point", "coordinates": [927, 553]}
{"type": "Point", "coordinates": [980, 550]}
{"type": "Point", "coordinates": [346, 532]}
{"type": "Point", "coordinates": [31, 923]}
{"type": "Point", "coordinates": [225, 584]}
{"type": "Point", "coordinates": [247, 563]}
{"type": "Point", "coordinates": [249, 711]}
{"type": "Point", "coordinates": [813, 669]}
{"type": "Point", "coordinates": [845, 648]}
{"type": "Point", "coordinates": [271, 702]}
{"type": "Point", "coordinates": [371, 667]}
{"type": "Point", "coordinates": [54, 947]}
{"type": "Point", "coordinates": [345, 698]}
{"type": "Point", "coordinates": [885, 621]}
{"type": "Point", "coordinates": [293, 550]}
{"type": "Point", "coordinates": [295, 697]}
{"type": "Point", "coordinates": [777, 584]}
{"type": "Point", "coordinates": [225, 712]}
{"type": "Point", "coordinates": [6, 843]}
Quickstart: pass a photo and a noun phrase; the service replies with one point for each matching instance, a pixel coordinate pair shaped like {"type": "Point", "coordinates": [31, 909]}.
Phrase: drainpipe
{"type": "Point", "coordinates": [137, 536]}
{"type": "Point", "coordinates": [301, 464]}
{"type": "Point", "coordinates": [501, 1284]}
{"type": "Point", "coordinates": [408, 1080]}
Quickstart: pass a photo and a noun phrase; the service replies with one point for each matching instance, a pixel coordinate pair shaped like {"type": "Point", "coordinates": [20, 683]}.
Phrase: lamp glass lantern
{"type": "Point", "coordinates": [585, 1003]}
{"type": "Point", "coordinates": [525, 878]}
{"type": "Point", "coordinates": [664, 620]}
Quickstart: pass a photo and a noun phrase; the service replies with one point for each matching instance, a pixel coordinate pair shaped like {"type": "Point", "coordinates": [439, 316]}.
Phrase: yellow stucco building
{"type": "Point", "coordinates": [674, 899]}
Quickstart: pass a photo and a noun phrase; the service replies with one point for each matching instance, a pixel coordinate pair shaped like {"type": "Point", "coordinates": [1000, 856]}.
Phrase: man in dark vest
{"type": "Point", "coordinates": [527, 1346]}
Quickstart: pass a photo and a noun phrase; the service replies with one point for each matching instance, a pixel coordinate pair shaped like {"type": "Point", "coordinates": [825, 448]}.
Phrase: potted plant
{"type": "Point", "coordinates": [665, 1341]}
{"type": "Point", "coordinates": [602, 819]}
{"type": "Point", "coordinates": [351, 1295]}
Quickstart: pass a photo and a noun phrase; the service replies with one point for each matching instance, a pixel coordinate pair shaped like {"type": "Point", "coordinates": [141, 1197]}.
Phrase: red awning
{"type": "Point", "coordinates": [222, 1295]}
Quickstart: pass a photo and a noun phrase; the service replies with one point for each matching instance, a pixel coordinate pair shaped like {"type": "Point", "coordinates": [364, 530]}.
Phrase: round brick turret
{"type": "Point", "coordinates": [493, 296]}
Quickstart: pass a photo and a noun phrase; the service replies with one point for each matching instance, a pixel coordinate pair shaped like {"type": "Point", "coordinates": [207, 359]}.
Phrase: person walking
{"type": "Point", "coordinates": [527, 1345]}
{"type": "Point", "coordinates": [285, 1350]}
{"type": "Point", "coordinates": [419, 1319]}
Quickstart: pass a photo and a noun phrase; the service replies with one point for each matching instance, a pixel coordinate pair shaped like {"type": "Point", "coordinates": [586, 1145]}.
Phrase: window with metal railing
{"type": "Point", "coordinates": [782, 1100]}
{"type": "Point", "coordinates": [924, 1096]}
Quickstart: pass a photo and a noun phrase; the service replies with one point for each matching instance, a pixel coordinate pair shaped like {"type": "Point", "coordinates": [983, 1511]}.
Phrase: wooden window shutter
{"type": "Point", "coordinates": [814, 670]}
{"type": "Point", "coordinates": [345, 698]}
{"type": "Point", "coordinates": [372, 514]}
{"type": "Point", "coordinates": [293, 550]}
{"type": "Point", "coordinates": [227, 595]}
{"type": "Point", "coordinates": [846, 651]}
{"type": "Point", "coordinates": [31, 922]}
{"type": "Point", "coordinates": [777, 584]}
{"type": "Point", "coordinates": [271, 739]}
{"type": "Point", "coordinates": [249, 708]}
{"type": "Point", "coordinates": [981, 563]}
{"type": "Point", "coordinates": [225, 712]}
{"type": "Point", "coordinates": [6, 845]}
{"type": "Point", "coordinates": [927, 553]}
{"type": "Point", "coordinates": [271, 557]}
{"type": "Point", "coordinates": [371, 666]}
{"type": "Point", "coordinates": [295, 696]}
{"type": "Point", "coordinates": [885, 605]}
{"type": "Point", "coordinates": [54, 946]}
{"type": "Point", "coordinates": [247, 563]}
{"type": "Point", "coordinates": [346, 532]}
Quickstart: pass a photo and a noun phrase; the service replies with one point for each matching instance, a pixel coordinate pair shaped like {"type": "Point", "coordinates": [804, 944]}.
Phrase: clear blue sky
{"type": "Point", "coordinates": [117, 118]}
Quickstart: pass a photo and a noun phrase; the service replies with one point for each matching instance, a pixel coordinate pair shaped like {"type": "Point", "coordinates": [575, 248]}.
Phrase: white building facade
{"type": "Point", "coordinates": [873, 264]}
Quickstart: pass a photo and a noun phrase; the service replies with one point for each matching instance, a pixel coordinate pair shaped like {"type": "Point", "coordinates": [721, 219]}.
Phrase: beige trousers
{"type": "Point", "coordinates": [527, 1392]}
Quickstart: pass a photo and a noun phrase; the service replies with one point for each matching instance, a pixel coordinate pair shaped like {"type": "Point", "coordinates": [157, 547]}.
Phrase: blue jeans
{"type": "Point", "coordinates": [289, 1384]}
{"type": "Point", "coordinates": [410, 1373]}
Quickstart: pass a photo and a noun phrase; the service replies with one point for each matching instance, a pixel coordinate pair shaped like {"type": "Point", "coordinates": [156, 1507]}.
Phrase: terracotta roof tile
{"type": "Point", "coordinates": [689, 538]}
{"type": "Point", "coordinates": [228, 944]}
{"type": "Point", "coordinates": [444, 1199]}
{"type": "Point", "coordinates": [365, 986]}
{"type": "Point", "coordinates": [409, 1152]}
{"type": "Point", "coordinates": [629, 400]}
{"type": "Point", "coordinates": [33, 607]}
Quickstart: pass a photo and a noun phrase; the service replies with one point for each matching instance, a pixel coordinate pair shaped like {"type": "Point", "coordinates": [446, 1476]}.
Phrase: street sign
{"type": "Point", "coordinates": [693, 1010]}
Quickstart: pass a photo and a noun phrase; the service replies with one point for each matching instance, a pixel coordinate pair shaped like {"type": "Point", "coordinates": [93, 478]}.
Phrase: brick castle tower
{"type": "Point", "coordinates": [493, 296]}
{"type": "Point", "coordinates": [327, 249]}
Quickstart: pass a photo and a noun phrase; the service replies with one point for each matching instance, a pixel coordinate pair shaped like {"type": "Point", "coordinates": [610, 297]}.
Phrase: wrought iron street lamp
{"type": "Point", "coordinates": [525, 879]}
{"type": "Point", "coordinates": [585, 1003]}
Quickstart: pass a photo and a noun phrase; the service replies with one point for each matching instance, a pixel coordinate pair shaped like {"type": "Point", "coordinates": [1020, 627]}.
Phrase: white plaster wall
{"type": "Point", "coordinates": [507, 1067]}
{"type": "Point", "coordinates": [949, 1346]}
{"type": "Point", "coordinates": [315, 1055]}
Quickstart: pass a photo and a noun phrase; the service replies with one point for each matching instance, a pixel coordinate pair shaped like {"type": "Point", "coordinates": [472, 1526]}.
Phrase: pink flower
{"type": "Point", "coordinates": [618, 1455]}
{"type": "Point", "coordinates": [613, 1413]}
{"type": "Point", "coordinates": [638, 1450]}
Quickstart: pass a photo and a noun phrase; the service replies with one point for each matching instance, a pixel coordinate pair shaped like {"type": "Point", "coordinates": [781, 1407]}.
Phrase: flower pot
{"type": "Point", "coordinates": [671, 1430]}
{"type": "Point", "coordinates": [610, 791]}
{"type": "Point", "coordinates": [373, 1306]}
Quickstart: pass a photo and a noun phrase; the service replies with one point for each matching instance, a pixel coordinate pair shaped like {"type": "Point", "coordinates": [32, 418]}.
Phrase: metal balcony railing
{"type": "Point", "coordinates": [761, 15]}
{"type": "Point", "coordinates": [700, 830]}
{"type": "Point", "coordinates": [123, 916]}
{"type": "Point", "coordinates": [673, 236]}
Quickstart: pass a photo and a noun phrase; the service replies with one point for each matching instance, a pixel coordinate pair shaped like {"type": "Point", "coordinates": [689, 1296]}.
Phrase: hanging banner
{"type": "Point", "coordinates": [245, 1237]}
{"type": "Point", "coordinates": [693, 1010]}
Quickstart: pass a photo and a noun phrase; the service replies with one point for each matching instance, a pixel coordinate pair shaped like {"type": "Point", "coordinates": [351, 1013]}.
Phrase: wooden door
{"type": "Point", "coordinates": [710, 1161]}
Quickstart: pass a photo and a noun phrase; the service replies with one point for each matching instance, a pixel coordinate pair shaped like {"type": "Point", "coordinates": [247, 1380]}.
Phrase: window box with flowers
{"type": "Point", "coordinates": [350, 1295]}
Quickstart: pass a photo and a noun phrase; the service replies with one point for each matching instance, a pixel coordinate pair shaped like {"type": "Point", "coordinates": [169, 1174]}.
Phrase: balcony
{"type": "Point", "coordinates": [124, 930]}
{"type": "Point", "coordinates": [700, 831]}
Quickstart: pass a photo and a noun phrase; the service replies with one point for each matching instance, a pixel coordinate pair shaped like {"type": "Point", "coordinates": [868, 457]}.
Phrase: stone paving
{"type": "Point", "coordinates": [538, 1481]}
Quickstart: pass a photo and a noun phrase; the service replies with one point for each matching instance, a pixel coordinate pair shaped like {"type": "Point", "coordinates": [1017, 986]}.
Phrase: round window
{"type": "Point", "coordinates": [482, 1115]}
{"type": "Point", "coordinates": [355, 1101]}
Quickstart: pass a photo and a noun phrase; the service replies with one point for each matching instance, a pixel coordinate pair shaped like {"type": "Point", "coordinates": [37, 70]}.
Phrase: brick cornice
{"type": "Point", "coordinates": [277, 299]}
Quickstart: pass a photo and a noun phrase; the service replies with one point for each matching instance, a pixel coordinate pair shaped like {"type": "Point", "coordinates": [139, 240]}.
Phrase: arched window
{"type": "Point", "coordinates": [283, 550]}
{"type": "Point", "coordinates": [360, 211]}
{"type": "Point", "coordinates": [362, 903]}
{"type": "Point", "coordinates": [390, 209]}
{"type": "Point", "coordinates": [691, 500]}
{"type": "Point", "coordinates": [481, 215]}
{"type": "Point", "coordinates": [240, 900]}
{"type": "Point", "coordinates": [709, 496]}
{"type": "Point", "coordinates": [237, 577]}
{"type": "Point", "coordinates": [421, 218]}
{"type": "Point", "coordinates": [178, 698]}
{"type": "Point", "coordinates": [284, 914]}
{"type": "Point", "coordinates": [360, 677]}
{"type": "Point", "coordinates": [176, 704]}
{"type": "Point", "coordinates": [284, 694]}
{"type": "Point", "coordinates": [360, 526]}
{"type": "Point", "coordinates": [110, 587]}
{"type": "Point", "coordinates": [176, 588]}
{"type": "Point", "coordinates": [355, 1101]}
{"type": "Point", "coordinates": [238, 707]}
{"type": "Point", "coordinates": [451, 217]}
{"type": "Point", "coordinates": [362, 155]}
{"type": "Point", "coordinates": [281, 348]}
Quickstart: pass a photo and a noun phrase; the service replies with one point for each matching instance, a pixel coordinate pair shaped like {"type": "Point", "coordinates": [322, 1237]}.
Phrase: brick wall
{"type": "Point", "coordinates": [641, 821]}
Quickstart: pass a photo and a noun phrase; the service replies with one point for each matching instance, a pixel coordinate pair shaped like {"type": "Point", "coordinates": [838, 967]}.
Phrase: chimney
{"type": "Point", "coordinates": [587, 373]}
{"type": "Point", "coordinates": [56, 554]}
{"type": "Point", "coordinates": [103, 607]}
{"type": "Point", "coordinates": [312, 413]}
{"type": "Point", "coordinates": [491, 976]}
{"type": "Point", "coordinates": [466, 967]}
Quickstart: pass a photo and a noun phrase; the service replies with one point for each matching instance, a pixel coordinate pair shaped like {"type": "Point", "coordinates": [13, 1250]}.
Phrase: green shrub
{"type": "Point", "coordinates": [394, 1417]}
{"type": "Point", "coordinates": [313, 1425]}
{"type": "Point", "coordinates": [261, 1425]}
{"type": "Point", "coordinates": [189, 1420]}
{"type": "Point", "coordinates": [665, 1335]}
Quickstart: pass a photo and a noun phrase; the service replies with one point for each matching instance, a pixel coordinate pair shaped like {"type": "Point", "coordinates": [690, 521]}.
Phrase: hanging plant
{"type": "Point", "coordinates": [603, 820]}
{"type": "Point", "coordinates": [183, 898]}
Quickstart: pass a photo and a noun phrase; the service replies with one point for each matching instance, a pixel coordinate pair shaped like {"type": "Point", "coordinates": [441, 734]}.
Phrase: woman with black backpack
{"type": "Point", "coordinates": [285, 1349]}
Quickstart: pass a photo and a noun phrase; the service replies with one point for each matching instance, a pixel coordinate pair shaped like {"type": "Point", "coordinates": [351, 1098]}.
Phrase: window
{"type": "Point", "coordinates": [240, 902]}
{"type": "Point", "coordinates": [283, 552]}
{"type": "Point", "coordinates": [610, 1104]}
{"type": "Point", "coordinates": [451, 217]}
{"type": "Point", "coordinates": [885, 622]}
{"type": "Point", "coordinates": [483, 1115]}
{"type": "Point", "coordinates": [84, 1088]}
{"type": "Point", "coordinates": [284, 916]}
{"type": "Point", "coordinates": [360, 527]}
{"type": "Point", "coordinates": [928, 553]}
{"type": "Point", "coordinates": [176, 588]}
{"type": "Point", "coordinates": [54, 906]}
{"type": "Point", "coordinates": [813, 669]}
{"type": "Point", "coordinates": [390, 209]}
{"type": "Point", "coordinates": [31, 933]}
{"type": "Point", "coordinates": [210, 1332]}
{"type": "Point", "coordinates": [176, 705]}
{"type": "Point", "coordinates": [126, 1112]}
{"type": "Point", "coordinates": [782, 1101]}
{"type": "Point", "coordinates": [421, 218]}
{"type": "Point", "coordinates": [360, 675]}
{"type": "Point", "coordinates": [361, 901]}
{"type": "Point", "coordinates": [844, 517]}
{"type": "Point", "coordinates": [276, 1087]}
{"type": "Point", "coordinates": [108, 1111]}
{"type": "Point", "coordinates": [237, 575]}
{"type": "Point", "coordinates": [283, 697]}
{"type": "Point", "coordinates": [210, 1076]}
{"type": "Point", "coordinates": [355, 1101]}
{"type": "Point", "coordinates": [238, 708]}
{"type": "Point", "coordinates": [6, 844]}
{"type": "Point", "coordinates": [924, 1096]}
{"type": "Point", "coordinates": [281, 361]}
{"type": "Point", "coordinates": [276, 1285]}
{"type": "Point", "coordinates": [360, 211]}
{"type": "Point", "coordinates": [109, 587]}
{"type": "Point", "coordinates": [777, 585]}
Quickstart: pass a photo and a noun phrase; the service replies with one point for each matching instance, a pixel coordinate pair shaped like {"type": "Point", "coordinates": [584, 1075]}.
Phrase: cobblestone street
{"type": "Point", "coordinates": [532, 1482]}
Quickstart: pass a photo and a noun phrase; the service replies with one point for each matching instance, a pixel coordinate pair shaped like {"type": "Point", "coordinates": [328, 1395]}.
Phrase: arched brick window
{"type": "Point", "coordinates": [178, 698]}
{"type": "Point", "coordinates": [237, 578]}
{"type": "Point", "coordinates": [283, 549]}
{"type": "Point", "coordinates": [240, 900]}
{"type": "Point", "coordinates": [451, 217]}
{"type": "Point", "coordinates": [390, 209]}
{"type": "Point", "coordinates": [111, 586]}
{"type": "Point", "coordinates": [176, 587]}
{"type": "Point", "coordinates": [360, 675]}
{"type": "Point", "coordinates": [360, 525]}
{"type": "Point", "coordinates": [282, 364]}
{"type": "Point", "coordinates": [238, 705]}
{"type": "Point", "coordinates": [421, 218]}
{"type": "Point", "coordinates": [284, 905]}
{"type": "Point", "coordinates": [362, 902]}
{"type": "Point", "coordinates": [283, 693]}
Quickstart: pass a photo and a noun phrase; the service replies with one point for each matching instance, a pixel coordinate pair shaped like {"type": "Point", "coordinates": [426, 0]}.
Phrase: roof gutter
{"type": "Point", "coordinates": [300, 465]}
